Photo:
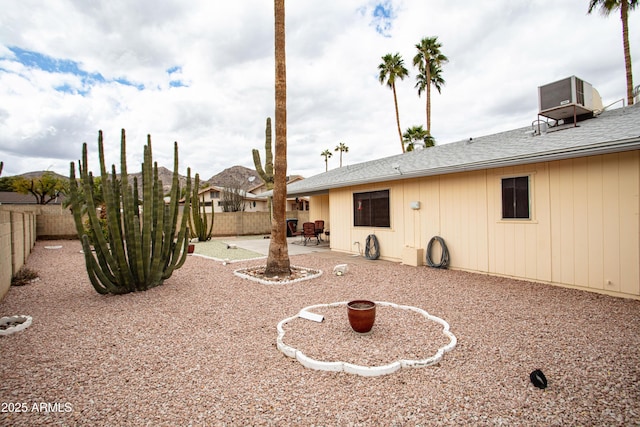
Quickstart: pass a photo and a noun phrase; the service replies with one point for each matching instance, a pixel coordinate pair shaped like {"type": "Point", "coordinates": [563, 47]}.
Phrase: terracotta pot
{"type": "Point", "coordinates": [191, 248]}
{"type": "Point", "coordinates": [362, 315]}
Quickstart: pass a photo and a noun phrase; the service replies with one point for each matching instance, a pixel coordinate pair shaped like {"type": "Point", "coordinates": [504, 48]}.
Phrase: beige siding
{"type": "Point", "coordinates": [319, 210]}
{"type": "Point", "coordinates": [584, 229]}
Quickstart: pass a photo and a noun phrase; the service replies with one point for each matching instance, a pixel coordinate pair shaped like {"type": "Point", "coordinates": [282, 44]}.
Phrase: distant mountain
{"type": "Point", "coordinates": [165, 175]}
{"type": "Point", "coordinates": [236, 177]}
{"type": "Point", "coordinates": [239, 176]}
{"type": "Point", "coordinates": [38, 174]}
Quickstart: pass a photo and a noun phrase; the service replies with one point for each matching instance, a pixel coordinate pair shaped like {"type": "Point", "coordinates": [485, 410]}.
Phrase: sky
{"type": "Point", "coordinates": [202, 73]}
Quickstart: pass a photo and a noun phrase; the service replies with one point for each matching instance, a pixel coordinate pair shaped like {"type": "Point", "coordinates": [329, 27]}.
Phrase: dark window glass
{"type": "Point", "coordinates": [515, 197]}
{"type": "Point", "coordinates": [371, 209]}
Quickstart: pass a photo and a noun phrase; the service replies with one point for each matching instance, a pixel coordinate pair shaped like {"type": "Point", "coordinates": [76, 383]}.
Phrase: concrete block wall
{"type": "Point", "coordinates": [248, 223]}
{"type": "Point", "coordinates": [21, 225]}
{"type": "Point", "coordinates": [6, 268]}
{"type": "Point", "coordinates": [55, 222]}
{"type": "Point", "coordinates": [17, 237]}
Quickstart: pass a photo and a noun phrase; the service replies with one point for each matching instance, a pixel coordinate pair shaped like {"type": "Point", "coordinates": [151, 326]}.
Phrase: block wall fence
{"type": "Point", "coordinates": [21, 225]}
{"type": "Point", "coordinates": [17, 237]}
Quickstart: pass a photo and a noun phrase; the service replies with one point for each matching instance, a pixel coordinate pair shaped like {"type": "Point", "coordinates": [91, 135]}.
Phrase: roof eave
{"type": "Point", "coordinates": [629, 144]}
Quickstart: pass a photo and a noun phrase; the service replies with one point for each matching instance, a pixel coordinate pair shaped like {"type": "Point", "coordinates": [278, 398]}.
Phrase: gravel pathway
{"type": "Point", "coordinates": [201, 350]}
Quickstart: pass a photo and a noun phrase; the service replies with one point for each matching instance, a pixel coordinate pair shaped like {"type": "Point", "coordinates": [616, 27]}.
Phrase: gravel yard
{"type": "Point", "coordinates": [201, 350]}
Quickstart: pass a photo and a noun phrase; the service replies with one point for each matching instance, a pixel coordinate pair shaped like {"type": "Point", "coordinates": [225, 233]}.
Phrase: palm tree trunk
{"type": "Point", "coordinates": [428, 95]}
{"type": "Point", "coordinates": [395, 103]}
{"type": "Point", "coordinates": [278, 263]}
{"type": "Point", "coordinates": [624, 11]}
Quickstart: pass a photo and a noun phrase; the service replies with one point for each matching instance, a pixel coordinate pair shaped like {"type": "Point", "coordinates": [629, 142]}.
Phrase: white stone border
{"type": "Point", "coordinates": [226, 261]}
{"type": "Point", "coordinates": [13, 329]}
{"type": "Point", "coordinates": [367, 371]}
{"type": "Point", "coordinates": [239, 273]}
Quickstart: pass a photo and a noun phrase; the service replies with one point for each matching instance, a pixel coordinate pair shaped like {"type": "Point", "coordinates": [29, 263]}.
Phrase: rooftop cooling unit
{"type": "Point", "coordinates": [570, 98]}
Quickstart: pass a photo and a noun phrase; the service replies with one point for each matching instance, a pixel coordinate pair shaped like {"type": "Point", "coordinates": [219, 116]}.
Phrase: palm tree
{"type": "Point", "coordinates": [342, 149]}
{"type": "Point", "coordinates": [417, 134]}
{"type": "Point", "coordinates": [429, 61]}
{"type": "Point", "coordinates": [278, 263]}
{"type": "Point", "coordinates": [326, 153]}
{"type": "Point", "coordinates": [392, 68]}
{"type": "Point", "coordinates": [608, 6]}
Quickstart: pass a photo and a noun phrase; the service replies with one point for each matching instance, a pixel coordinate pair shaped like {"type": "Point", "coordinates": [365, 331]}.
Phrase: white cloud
{"type": "Point", "coordinates": [222, 55]}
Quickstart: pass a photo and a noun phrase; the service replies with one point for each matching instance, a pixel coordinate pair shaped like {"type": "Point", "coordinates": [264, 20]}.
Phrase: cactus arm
{"type": "Point", "coordinates": [195, 221]}
{"type": "Point", "coordinates": [182, 241]}
{"type": "Point", "coordinates": [266, 173]}
{"type": "Point", "coordinates": [258, 164]}
{"type": "Point", "coordinates": [268, 165]}
{"type": "Point", "coordinates": [117, 259]}
{"type": "Point", "coordinates": [100, 285]}
{"type": "Point", "coordinates": [179, 249]}
{"type": "Point", "coordinates": [147, 207]}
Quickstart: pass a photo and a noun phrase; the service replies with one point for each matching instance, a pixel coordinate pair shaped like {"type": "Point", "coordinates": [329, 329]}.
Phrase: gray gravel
{"type": "Point", "coordinates": [201, 350]}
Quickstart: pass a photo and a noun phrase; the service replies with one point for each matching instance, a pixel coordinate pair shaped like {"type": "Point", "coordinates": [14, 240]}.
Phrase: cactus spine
{"type": "Point", "coordinates": [198, 221]}
{"type": "Point", "coordinates": [145, 244]}
{"type": "Point", "coordinates": [267, 173]}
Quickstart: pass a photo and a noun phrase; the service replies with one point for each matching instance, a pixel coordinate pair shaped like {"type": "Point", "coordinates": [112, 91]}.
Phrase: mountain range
{"type": "Point", "coordinates": [235, 176]}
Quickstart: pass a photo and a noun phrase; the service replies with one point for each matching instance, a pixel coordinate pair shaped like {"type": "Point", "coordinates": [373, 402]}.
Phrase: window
{"type": "Point", "coordinates": [371, 209]}
{"type": "Point", "coordinates": [515, 198]}
{"type": "Point", "coordinates": [213, 194]}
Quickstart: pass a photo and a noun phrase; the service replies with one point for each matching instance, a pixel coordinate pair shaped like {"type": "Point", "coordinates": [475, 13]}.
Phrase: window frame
{"type": "Point", "coordinates": [384, 222]}
{"type": "Point", "coordinates": [529, 199]}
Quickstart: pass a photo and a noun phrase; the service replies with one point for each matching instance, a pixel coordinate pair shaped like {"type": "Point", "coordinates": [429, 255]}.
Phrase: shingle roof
{"type": "Point", "coordinates": [612, 131]}
{"type": "Point", "coordinates": [11, 198]}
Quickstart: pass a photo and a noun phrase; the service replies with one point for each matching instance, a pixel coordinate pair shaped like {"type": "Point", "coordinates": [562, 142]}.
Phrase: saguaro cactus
{"type": "Point", "coordinates": [267, 173]}
{"type": "Point", "coordinates": [145, 246]}
{"type": "Point", "coordinates": [198, 221]}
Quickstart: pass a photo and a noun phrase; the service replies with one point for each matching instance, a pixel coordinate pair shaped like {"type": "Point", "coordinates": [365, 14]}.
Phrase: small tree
{"type": "Point", "coordinates": [417, 136]}
{"type": "Point", "coordinates": [625, 6]}
{"type": "Point", "coordinates": [233, 198]}
{"type": "Point", "coordinates": [392, 68]}
{"type": "Point", "coordinates": [342, 148]}
{"type": "Point", "coordinates": [46, 188]}
{"type": "Point", "coordinates": [429, 60]}
{"type": "Point", "coordinates": [326, 153]}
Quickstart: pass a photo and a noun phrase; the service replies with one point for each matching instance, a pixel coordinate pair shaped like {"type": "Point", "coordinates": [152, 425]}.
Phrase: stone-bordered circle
{"type": "Point", "coordinates": [12, 324]}
{"type": "Point", "coordinates": [368, 371]}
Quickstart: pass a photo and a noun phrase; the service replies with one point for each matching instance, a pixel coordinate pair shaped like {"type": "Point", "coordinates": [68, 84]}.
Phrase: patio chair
{"type": "Point", "coordinates": [292, 229]}
{"type": "Point", "coordinates": [309, 232]}
{"type": "Point", "coordinates": [319, 224]}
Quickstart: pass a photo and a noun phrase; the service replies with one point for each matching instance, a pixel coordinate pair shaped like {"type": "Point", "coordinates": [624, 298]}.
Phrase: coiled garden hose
{"type": "Point", "coordinates": [371, 244]}
{"type": "Point", "coordinates": [444, 258]}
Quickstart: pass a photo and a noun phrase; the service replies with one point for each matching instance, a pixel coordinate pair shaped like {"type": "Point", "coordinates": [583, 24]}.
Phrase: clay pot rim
{"type": "Point", "coordinates": [370, 304]}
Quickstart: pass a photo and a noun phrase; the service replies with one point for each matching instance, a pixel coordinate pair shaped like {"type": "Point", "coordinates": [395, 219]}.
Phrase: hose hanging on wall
{"type": "Point", "coordinates": [371, 247]}
{"type": "Point", "coordinates": [444, 258]}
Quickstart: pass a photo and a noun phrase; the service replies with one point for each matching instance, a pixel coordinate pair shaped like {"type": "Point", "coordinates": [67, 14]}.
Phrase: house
{"type": "Point", "coordinates": [559, 206]}
{"type": "Point", "coordinates": [249, 202]}
{"type": "Point", "coordinates": [293, 203]}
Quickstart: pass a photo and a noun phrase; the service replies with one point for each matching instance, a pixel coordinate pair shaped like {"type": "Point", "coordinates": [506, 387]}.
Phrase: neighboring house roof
{"type": "Point", "coordinates": [290, 179]}
{"type": "Point", "coordinates": [12, 198]}
{"type": "Point", "coordinates": [245, 194]}
{"type": "Point", "coordinates": [612, 131]}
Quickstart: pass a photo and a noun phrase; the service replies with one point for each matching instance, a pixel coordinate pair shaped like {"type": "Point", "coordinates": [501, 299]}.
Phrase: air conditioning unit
{"type": "Point", "coordinates": [568, 98]}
